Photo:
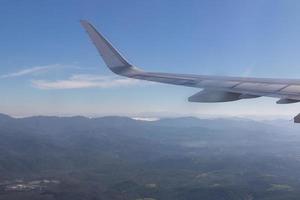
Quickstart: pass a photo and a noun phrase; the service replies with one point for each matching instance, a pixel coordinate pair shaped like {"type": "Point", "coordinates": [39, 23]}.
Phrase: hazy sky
{"type": "Point", "coordinates": [48, 65]}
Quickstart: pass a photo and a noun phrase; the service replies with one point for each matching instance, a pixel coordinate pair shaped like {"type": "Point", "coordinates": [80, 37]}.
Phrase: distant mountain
{"type": "Point", "coordinates": [56, 124]}
{"type": "Point", "coordinates": [5, 119]}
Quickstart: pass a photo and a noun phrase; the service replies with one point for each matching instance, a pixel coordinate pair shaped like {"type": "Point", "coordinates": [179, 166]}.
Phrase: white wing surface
{"type": "Point", "coordinates": [216, 88]}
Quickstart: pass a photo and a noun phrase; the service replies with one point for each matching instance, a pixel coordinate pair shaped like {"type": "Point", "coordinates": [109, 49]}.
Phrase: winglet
{"type": "Point", "coordinates": [112, 58]}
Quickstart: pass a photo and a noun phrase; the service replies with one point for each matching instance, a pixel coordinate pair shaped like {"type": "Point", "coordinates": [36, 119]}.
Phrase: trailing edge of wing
{"type": "Point", "coordinates": [112, 58]}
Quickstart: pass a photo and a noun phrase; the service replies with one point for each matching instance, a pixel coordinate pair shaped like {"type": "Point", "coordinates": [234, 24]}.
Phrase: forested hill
{"type": "Point", "coordinates": [121, 158]}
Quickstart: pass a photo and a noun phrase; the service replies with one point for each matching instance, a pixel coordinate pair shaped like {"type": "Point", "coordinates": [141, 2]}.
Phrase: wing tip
{"type": "Point", "coordinates": [84, 21]}
{"type": "Point", "coordinates": [113, 59]}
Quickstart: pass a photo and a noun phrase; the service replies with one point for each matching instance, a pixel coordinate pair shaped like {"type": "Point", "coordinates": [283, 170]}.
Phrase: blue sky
{"type": "Point", "coordinates": [49, 67]}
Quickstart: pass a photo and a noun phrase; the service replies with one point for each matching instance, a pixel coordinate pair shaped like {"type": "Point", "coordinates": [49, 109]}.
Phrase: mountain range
{"type": "Point", "coordinates": [172, 158]}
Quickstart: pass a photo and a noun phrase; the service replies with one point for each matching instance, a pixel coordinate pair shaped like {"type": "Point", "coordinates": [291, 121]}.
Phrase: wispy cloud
{"type": "Point", "coordinates": [84, 81]}
{"type": "Point", "coordinates": [32, 70]}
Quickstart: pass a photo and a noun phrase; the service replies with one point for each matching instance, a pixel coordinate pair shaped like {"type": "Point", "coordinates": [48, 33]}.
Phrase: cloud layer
{"type": "Point", "coordinates": [84, 81]}
{"type": "Point", "coordinates": [31, 71]}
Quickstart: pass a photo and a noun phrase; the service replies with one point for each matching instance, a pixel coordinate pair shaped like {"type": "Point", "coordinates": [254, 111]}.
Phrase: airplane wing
{"type": "Point", "coordinates": [215, 88]}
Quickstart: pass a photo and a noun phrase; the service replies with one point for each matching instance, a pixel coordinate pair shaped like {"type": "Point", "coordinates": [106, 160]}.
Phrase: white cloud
{"type": "Point", "coordinates": [85, 81]}
{"type": "Point", "coordinates": [149, 119]}
{"type": "Point", "coordinates": [31, 71]}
